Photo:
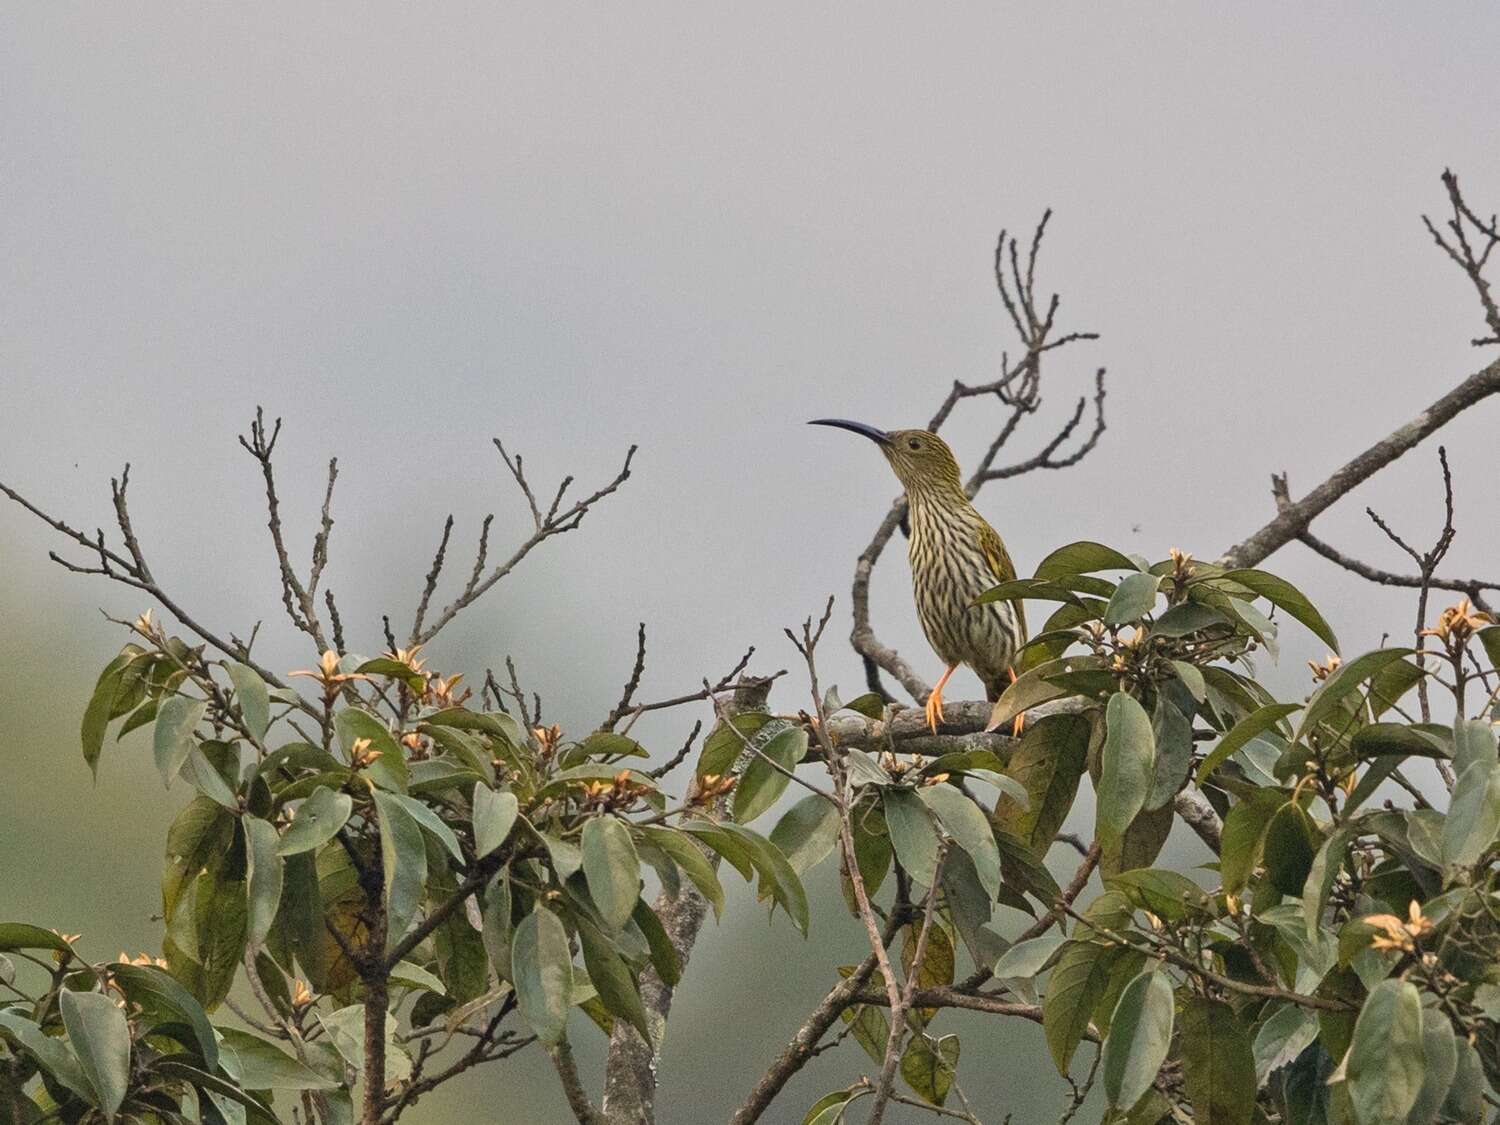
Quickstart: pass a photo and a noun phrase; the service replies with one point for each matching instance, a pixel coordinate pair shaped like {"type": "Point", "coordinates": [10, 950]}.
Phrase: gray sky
{"type": "Point", "coordinates": [409, 229]}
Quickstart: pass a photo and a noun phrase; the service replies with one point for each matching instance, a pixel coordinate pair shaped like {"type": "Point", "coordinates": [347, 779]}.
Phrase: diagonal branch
{"type": "Point", "coordinates": [1293, 519]}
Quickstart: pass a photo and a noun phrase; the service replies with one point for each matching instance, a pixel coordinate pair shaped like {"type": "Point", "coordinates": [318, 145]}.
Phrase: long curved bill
{"type": "Point", "coordinates": [878, 436]}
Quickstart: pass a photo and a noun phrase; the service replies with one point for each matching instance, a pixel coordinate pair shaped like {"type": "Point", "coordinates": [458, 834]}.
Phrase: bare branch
{"type": "Point", "coordinates": [300, 605]}
{"type": "Point", "coordinates": [134, 572]}
{"type": "Point", "coordinates": [430, 584]}
{"type": "Point", "coordinates": [1471, 261]}
{"type": "Point", "coordinates": [1295, 516]}
{"type": "Point", "coordinates": [1047, 458]}
{"type": "Point", "coordinates": [1292, 518]}
{"type": "Point", "coordinates": [567, 1073]}
{"type": "Point", "coordinates": [554, 522]}
{"type": "Point", "coordinates": [678, 758]}
{"type": "Point", "coordinates": [325, 529]}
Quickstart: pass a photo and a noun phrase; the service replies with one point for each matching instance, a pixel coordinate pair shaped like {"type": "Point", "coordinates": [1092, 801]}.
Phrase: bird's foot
{"type": "Point", "coordinates": [1020, 722]}
{"type": "Point", "coordinates": [935, 709]}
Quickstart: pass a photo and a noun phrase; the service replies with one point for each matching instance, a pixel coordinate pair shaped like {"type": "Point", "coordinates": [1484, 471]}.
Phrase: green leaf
{"type": "Point", "coordinates": [259, 1065]}
{"type": "Point", "coordinates": [1381, 739]}
{"type": "Point", "coordinates": [414, 976]}
{"type": "Point", "coordinates": [1386, 1056]}
{"type": "Point", "coordinates": [762, 782]}
{"type": "Point", "coordinates": [1473, 741]}
{"type": "Point", "coordinates": [608, 744]}
{"type": "Point", "coordinates": [1244, 834]}
{"type": "Point", "coordinates": [871, 705]}
{"type": "Point", "coordinates": [693, 863]}
{"type": "Point", "coordinates": [100, 710]}
{"type": "Point", "coordinates": [829, 1109]}
{"type": "Point", "coordinates": [176, 717]}
{"type": "Point", "coordinates": [611, 978]}
{"type": "Point", "coordinates": [255, 701]}
{"type": "Point", "coordinates": [970, 909]}
{"type": "Point", "coordinates": [1252, 725]}
{"type": "Point", "coordinates": [263, 879]}
{"type": "Point", "coordinates": [404, 862]}
{"type": "Point", "coordinates": [1172, 731]}
{"type": "Point", "coordinates": [663, 954]}
{"type": "Point", "coordinates": [1128, 762]}
{"type": "Point", "coordinates": [162, 1001]}
{"type": "Point", "coordinates": [394, 669]}
{"type": "Point", "coordinates": [1133, 598]}
{"type": "Point", "coordinates": [1324, 871]}
{"type": "Point", "coordinates": [23, 935]}
{"type": "Point", "coordinates": [612, 869]}
{"type": "Point", "coordinates": [494, 816]}
{"type": "Point", "coordinates": [1191, 678]}
{"type": "Point", "coordinates": [807, 832]}
{"type": "Point", "coordinates": [1465, 1101]}
{"type": "Point", "coordinates": [496, 724]}
{"type": "Point", "coordinates": [1166, 894]}
{"type": "Point", "coordinates": [1290, 844]}
{"type": "Point", "coordinates": [1026, 959]}
{"type": "Point", "coordinates": [913, 834]}
{"type": "Point", "coordinates": [214, 1086]}
{"type": "Point", "coordinates": [1035, 686]}
{"type": "Point", "coordinates": [317, 820]}
{"type": "Point", "coordinates": [1346, 679]}
{"type": "Point", "coordinates": [1077, 982]}
{"type": "Point", "coordinates": [433, 824]}
{"type": "Point", "coordinates": [52, 1053]}
{"type": "Point", "coordinates": [1185, 618]}
{"type": "Point", "coordinates": [1141, 843]}
{"type": "Point", "coordinates": [970, 829]}
{"type": "Point", "coordinates": [1032, 589]}
{"type": "Point", "coordinates": [1140, 1031]}
{"type": "Point", "coordinates": [345, 1029]}
{"type": "Point", "coordinates": [214, 775]}
{"type": "Point", "coordinates": [777, 879]}
{"type": "Point", "coordinates": [1083, 557]}
{"type": "Point", "coordinates": [1282, 594]}
{"type": "Point", "coordinates": [1048, 762]}
{"type": "Point", "coordinates": [100, 1036]}
{"type": "Point", "coordinates": [1391, 683]}
{"type": "Point", "coordinates": [388, 771]}
{"type": "Point", "coordinates": [542, 972]}
{"type": "Point", "coordinates": [726, 742]}
{"type": "Point", "coordinates": [1440, 1064]}
{"type": "Point", "coordinates": [929, 1067]}
{"type": "Point", "coordinates": [495, 918]}
{"type": "Point", "coordinates": [1282, 1038]}
{"type": "Point", "coordinates": [1490, 639]}
{"type": "Point", "coordinates": [1218, 1067]}
{"type": "Point", "coordinates": [1474, 816]}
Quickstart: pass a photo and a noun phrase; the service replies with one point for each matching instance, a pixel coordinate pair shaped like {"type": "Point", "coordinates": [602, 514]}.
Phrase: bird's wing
{"type": "Point", "coordinates": [1002, 566]}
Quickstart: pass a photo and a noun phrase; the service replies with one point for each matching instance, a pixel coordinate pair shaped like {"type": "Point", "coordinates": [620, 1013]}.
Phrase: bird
{"type": "Point", "coordinates": [955, 556]}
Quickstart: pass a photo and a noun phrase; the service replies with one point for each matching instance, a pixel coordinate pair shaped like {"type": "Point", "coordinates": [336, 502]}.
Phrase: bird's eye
{"type": "Point", "coordinates": [914, 443]}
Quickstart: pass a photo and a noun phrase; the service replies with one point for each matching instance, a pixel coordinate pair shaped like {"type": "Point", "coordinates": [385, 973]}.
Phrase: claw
{"type": "Point", "coordinates": [934, 709]}
{"type": "Point", "coordinates": [935, 700]}
{"type": "Point", "coordinates": [1020, 722]}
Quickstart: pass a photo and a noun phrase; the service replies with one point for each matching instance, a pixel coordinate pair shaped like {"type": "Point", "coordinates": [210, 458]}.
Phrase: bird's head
{"type": "Point", "coordinates": [921, 460]}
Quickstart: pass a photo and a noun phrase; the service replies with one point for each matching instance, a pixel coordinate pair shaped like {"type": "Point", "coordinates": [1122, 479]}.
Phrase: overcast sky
{"type": "Point", "coordinates": [411, 228]}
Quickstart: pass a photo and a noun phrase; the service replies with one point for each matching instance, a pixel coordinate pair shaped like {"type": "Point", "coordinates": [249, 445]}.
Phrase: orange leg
{"type": "Point", "coordinates": [1020, 721]}
{"type": "Point", "coordinates": [935, 700]}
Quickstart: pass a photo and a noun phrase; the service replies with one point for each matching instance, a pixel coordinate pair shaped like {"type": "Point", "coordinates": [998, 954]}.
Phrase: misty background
{"type": "Point", "coordinates": [408, 229]}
